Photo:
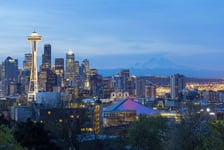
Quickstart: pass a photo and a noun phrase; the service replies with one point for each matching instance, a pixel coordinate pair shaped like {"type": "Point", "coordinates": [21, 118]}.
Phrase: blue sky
{"type": "Point", "coordinates": [118, 33]}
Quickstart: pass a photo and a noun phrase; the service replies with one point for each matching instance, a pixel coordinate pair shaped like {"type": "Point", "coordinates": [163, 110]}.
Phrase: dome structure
{"type": "Point", "coordinates": [128, 104]}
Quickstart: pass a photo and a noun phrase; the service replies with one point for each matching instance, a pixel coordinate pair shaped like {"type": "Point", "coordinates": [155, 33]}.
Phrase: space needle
{"type": "Point", "coordinates": [34, 38]}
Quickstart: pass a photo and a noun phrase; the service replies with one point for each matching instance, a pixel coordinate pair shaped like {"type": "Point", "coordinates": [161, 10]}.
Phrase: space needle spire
{"type": "Point", "coordinates": [34, 38]}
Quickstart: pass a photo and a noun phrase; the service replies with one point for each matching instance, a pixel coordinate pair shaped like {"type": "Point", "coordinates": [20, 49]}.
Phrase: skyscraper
{"type": "Point", "coordinates": [59, 71]}
{"type": "Point", "coordinates": [85, 64]}
{"type": "Point", "coordinates": [86, 74]}
{"type": "Point", "coordinates": [140, 86]}
{"type": "Point", "coordinates": [70, 69]}
{"type": "Point", "coordinates": [150, 90]}
{"type": "Point", "coordinates": [27, 63]}
{"type": "Point", "coordinates": [77, 67]}
{"type": "Point", "coordinates": [177, 85]}
{"type": "Point", "coordinates": [125, 74]}
{"type": "Point", "coordinates": [2, 77]}
{"type": "Point", "coordinates": [47, 80]}
{"type": "Point", "coordinates": [11, 75]}
{"type": "Point", "coordinates": [46, 57]}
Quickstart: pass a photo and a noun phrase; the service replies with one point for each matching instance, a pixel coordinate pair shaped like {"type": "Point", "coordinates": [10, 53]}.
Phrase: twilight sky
{"type": "Point", "coordinates": [118, 33]}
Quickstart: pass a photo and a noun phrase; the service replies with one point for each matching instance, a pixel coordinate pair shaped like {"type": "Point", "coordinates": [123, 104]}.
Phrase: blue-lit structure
{"type": "Point", "coordinates": [124, 112]}
{"type": "Point", "coordinates": [129, 104]}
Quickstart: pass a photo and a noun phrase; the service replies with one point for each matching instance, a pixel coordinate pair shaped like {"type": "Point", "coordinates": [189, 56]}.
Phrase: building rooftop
{"type": "Point", "coordinates": [129, 104]}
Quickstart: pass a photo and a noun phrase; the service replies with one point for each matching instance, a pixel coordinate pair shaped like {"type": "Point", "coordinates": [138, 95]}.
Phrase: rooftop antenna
{"type": "Point", "coordinates": [34, 29]}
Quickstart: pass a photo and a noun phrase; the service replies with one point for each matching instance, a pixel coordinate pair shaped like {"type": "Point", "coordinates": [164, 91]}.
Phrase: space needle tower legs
{"type": "Point", "coordinates": [34, 38]}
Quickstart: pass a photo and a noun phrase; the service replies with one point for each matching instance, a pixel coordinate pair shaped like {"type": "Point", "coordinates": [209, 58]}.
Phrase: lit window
{"type": "Point", "coordinates": [49, 112]}
{"type": "Point", "coordinates": [60, 120]}
{"type": "Point", "coordinates": [72, 116]}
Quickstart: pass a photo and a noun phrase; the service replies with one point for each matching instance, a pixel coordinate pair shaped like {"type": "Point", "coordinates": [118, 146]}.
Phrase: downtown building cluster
{"type": "Point", "coordinates": [69, 89]}
{"type": "Point", "coordinates": [75, 80]}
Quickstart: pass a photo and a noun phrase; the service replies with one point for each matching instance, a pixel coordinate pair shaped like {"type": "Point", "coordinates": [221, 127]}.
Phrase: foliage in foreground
{"type": "Point", "coordinates": [7, 140]}
{"type": "Point", "coordinates": [147, 133]}
{"type": "Point", "coordinates": [33, 136]}
{"type": "Point", "coordinates": [193, 132]}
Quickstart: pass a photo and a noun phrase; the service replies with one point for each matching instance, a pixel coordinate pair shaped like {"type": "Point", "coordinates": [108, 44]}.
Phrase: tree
{"type": "Point", "coordinates": [213, 138]}
{"type": "Point", "coordinates": [7, 140]}
{"type": "Point", "coordinates": [3, 120]}
{"type": "Point", "coordinates": [147, 133]}
{"type": "Point", "coordinates": [195, 132]}
{"type": "Point", "coordinates": [33, 136]}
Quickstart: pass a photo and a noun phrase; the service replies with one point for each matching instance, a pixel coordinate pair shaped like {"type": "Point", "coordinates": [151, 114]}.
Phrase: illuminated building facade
{"type": "Point", "coordinates": [27, 63]}
{"type": "Point", "coordinates": [96, 84]}
{"type": "Point", "coordinates": [47, 80]}
{"type": "Point", "coordinates": [107, 87]}
{"type": "Point", "coordinates": [46, 57]}
{"type": "Point", "coordinates": [177, 85]}
{"type": "Point", "coordinates": [59, 71]}
{"type": "Point", "coordinates": [116, 82]}
{"type": "Point", "coordinates": [140, 86]}
{"type": "Point", "coordinates": [77, 67]}
{"type": "Point", "coordinates": [70, 70]}
{"type": "Point", "coordinates": [11, 76]}
{"type": "Point", "coordinates": [25, 74]}
{"type": "Point", "coordinates": [83, 119]}
{"type": "Point", "coordinates": [150, 91]}
{"type": "Point", "coordinates": [124, 82]}
{"type": "Point", "coordinates": [2, 76]}
{"type": "Point", "coordinates": [125, 74]}
{"type": "Point", "coordinates": [124, 112]}
{"type": "Point", "coordinates": [97, 119]}
{"type": "Point", "coordinates": [86, 74]}
{"type": "Point", "coordinates": [34, 38]}
{"type": "Point", "coordinates": [24, 80]}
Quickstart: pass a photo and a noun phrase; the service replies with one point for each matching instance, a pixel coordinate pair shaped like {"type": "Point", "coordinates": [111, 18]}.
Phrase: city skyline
{"type": "Point", "coordinates": [187, 33]}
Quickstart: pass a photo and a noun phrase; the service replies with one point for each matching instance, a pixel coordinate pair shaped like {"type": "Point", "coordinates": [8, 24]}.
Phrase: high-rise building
{"type": "Point", "coordinates": [27, 63]}
{"type": "Point", "coordinates": [25, 73]}
{"type": "Point", "coordinates": [96, 85]}
{"type": "Point", "coordinates": [177, 85]}
{"type": "Point", "coordinates": [150, 91]}
{"type": "Point", "coordinates": [34, 38]}
{"type": "Point", "coordinates": [107, 87]}
{"type": "Point", "coordinates": [24, 80]}
{"type": "Point", "coordinates": [125, 74]}
{"type": "Point", "coordinates": [42, 80]}
{"type": "Point", "coordinates": [93, 72]}
{"type": "Point", "coordinates": [140, 86]}
{"type": "Point", "coordinates": [2, 71]}
{"type": "Point", "coordinates": [51, 80]}
{"type": "Point", "coordinates": [86, 74]}
{"type": "Point", "coordinates": [131, 86]}
{"type": "Point", "coordinates": [59, 71]}
{"type": "Point", "coordinates": [77, 67]}
{"type": "Point", "coordinates": [46, 57]}
{"type": "Point", "coordinates": [47, 80]}
{"type": "Point", "coordinates": [85, 65]}
{"type": "Point", "coordinates": [2, 78]}
{"type": "Point", "coordinates": [11, 76]}
{"type": "Point", "coordinates": [70, 69]}
{"type": "Point", "coordinates": [116, 82]}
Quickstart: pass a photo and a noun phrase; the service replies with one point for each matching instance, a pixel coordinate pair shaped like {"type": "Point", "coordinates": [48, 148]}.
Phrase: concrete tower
{"type": "Point", "coordinates": [34, 38]}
